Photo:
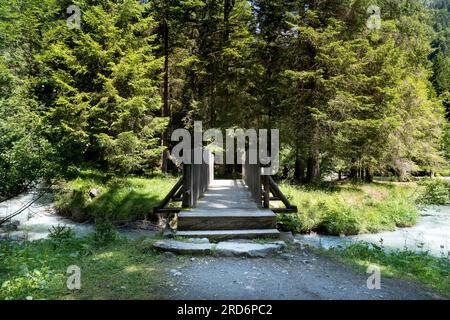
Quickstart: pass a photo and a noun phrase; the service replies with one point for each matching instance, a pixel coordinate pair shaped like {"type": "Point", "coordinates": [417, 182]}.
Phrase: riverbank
{"type": "Point", "coordinates": [345, 208]}
{"type": "Point", "coordinates": [431, 233]}
{"type": "Point", "coordinates": [93, 194]}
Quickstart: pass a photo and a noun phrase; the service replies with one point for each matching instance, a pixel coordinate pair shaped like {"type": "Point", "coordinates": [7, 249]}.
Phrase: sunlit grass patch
{"type": "Point", "coordinates": [120, 198]}
{"type": "Point", "coordinates": [119, 270]}
{"type": "Point", "coordinates": [350, 208]}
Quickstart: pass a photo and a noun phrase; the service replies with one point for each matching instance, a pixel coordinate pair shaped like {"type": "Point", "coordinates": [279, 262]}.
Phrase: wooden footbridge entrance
{"type": "Point", "coordinates": [224, 209]}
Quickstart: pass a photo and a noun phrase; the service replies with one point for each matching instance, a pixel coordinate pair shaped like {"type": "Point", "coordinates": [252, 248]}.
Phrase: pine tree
{"type": "Point", "coordinates": [105, 77]}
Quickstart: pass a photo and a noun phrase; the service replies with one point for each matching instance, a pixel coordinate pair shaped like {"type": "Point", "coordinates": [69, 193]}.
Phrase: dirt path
{"type": "Point", "coordinates": [300, 275]}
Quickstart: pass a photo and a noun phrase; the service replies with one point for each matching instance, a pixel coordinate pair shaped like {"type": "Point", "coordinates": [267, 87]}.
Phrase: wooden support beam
{"type": "Point", "coordinates": [169, 210]}
{"type": "Point", "coordinates": [171, 193]}
{"type": "Point", "coordinates": [291, 209]}
{"type": "Point", "coordinates": [277, 192]}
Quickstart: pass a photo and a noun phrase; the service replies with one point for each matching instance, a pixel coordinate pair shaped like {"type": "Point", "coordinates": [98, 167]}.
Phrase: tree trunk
{"type": "Point", "coordinates": [313, 169]}
{"type": "Point", "coordinates": [368, 175]}
{"type": "Point", "coordinates": [166, 105]}
{"type": "Point", "coordinates": [353, 170]}
{"type": "Point", "coordinates": [339, 175]}
{"type": "Point", "coordinates": [299, 170]}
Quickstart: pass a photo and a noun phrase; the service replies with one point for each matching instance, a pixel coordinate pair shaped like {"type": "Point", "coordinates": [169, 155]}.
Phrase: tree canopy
{"type": "Point", "coordinates": [346, 97]}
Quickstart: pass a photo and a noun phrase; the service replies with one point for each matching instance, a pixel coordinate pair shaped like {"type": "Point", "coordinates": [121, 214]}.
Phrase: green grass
{"type": "Point", "coordinates": [420, 267]}
{"type": "Point", "coordinates": [123, 269]}
{"type": "Point", "coordinates": [121, 198]}
{"type": "Point", "coordinates": [350, 208]}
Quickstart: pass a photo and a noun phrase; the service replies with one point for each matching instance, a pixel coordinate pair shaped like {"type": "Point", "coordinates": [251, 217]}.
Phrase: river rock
{"type": "Point", "coordinates": [287, 236]}
{"type": "Point", "coordinates": [11, 226]}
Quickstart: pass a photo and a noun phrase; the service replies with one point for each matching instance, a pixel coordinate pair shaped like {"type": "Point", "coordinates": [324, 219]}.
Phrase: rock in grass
{"type": "Point", "coordinates": [94, 192]}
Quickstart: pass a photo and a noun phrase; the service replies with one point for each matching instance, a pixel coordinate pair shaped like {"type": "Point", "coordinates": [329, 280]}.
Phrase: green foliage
{"type": "Point", "coordinates": [434, 191]}
{"type": "Point", "coordinates": [349, 209]}
{"type": "Point", "coordinates": [119, 199]}
{"type": "Point", "coordinates": [345, 97]}
{"type": "Point", "coordinates": [37, 270]}
{"type": "Point", "coordinates": [61, 233]}
{"type": "Point", "coordinates": [104, 79]}
{"type": "Point", "coordinates": [338, 218]}
{"type": "Point", "coordinates": [418, 266]}
{"type": "Point", "coordinates": [104, 231]}
{"type": "Point", "coordinates": [24, 154]}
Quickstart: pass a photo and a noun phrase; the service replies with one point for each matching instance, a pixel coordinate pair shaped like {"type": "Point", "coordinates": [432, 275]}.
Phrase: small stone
{"type": "Point", "coordinates": [29, 298]}
{"type": "Point", "coordinates": [192, 259]}
{"type": "Point", "coordinates": [94, 192]}
{"type": "Point", "coordinates": [287, 236]}
{"type": "Point", "coordinates": [169, 255]}
{"type": "Point", "coordinates": [306, 261]}
{"type": "Point", "coordinates": [123, 287]}
{"type": "Point", "coordinates": [286, 256]}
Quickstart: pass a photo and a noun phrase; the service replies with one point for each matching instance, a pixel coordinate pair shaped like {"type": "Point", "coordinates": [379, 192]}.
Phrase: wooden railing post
{"type": "Point", "coordinates": [266, 195]}
{"type": "Point", "coordinates": [187, 186]}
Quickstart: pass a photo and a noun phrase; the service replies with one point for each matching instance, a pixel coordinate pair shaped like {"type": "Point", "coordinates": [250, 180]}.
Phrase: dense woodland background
{"type": "Point", "coordinates": [346, 98]}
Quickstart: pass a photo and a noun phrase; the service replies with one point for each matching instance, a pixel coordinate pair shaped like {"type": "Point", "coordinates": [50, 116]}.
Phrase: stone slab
{"type": "Point", "coordinates": [181, 247]}
{"type": "Point", "coordinates": [245, 249]}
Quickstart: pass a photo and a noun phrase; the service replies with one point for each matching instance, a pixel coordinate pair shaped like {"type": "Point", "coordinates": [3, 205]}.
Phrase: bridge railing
{"type": "Point", "coordinates": [251, 174]}
{"type": "Point", "coordinates": [196, 179]}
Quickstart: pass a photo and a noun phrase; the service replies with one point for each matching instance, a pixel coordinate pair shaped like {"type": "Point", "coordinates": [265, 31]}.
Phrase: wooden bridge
{"type": "Point", "coordinates": [224, 209]}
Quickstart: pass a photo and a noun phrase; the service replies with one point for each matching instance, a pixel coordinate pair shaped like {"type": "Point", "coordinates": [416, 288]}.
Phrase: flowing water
{"type": "Point", "coordinates": [36, 220]}
{"type": "Point", "coordinates": [431, 233]}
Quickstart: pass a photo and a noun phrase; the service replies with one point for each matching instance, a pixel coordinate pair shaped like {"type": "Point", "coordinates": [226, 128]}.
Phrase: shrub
{"type": "Point", "coordinates": [435, 191]}
{"type": "Point", "coordinates": [338, 218]}
{"type": "Point", "coordinates": [104, 231]}
{"type": "Point", "coordinates": [61, 233]}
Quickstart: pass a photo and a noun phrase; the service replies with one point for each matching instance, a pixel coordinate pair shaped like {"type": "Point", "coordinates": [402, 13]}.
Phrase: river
{"type": "Point", "coordinates": [432, 231]}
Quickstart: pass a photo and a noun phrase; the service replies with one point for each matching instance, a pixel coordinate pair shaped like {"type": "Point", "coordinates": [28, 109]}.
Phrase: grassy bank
{"type": "Point", "coordinates": [420, 267]}
{"type": "Point", "coordinates": [120, 198]}
{"type": "Point", "coordinates": [349, 208]}
{"type": "Point", "coordinates": [123, 269]}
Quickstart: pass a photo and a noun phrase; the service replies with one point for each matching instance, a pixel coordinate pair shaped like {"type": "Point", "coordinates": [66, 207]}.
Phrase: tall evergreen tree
{"type": "Point", "coordinates": [105, 102]}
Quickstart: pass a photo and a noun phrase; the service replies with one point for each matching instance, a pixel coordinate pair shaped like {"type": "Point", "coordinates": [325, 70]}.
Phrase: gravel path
{"type": "Point", "coordinates": [298, 275]}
